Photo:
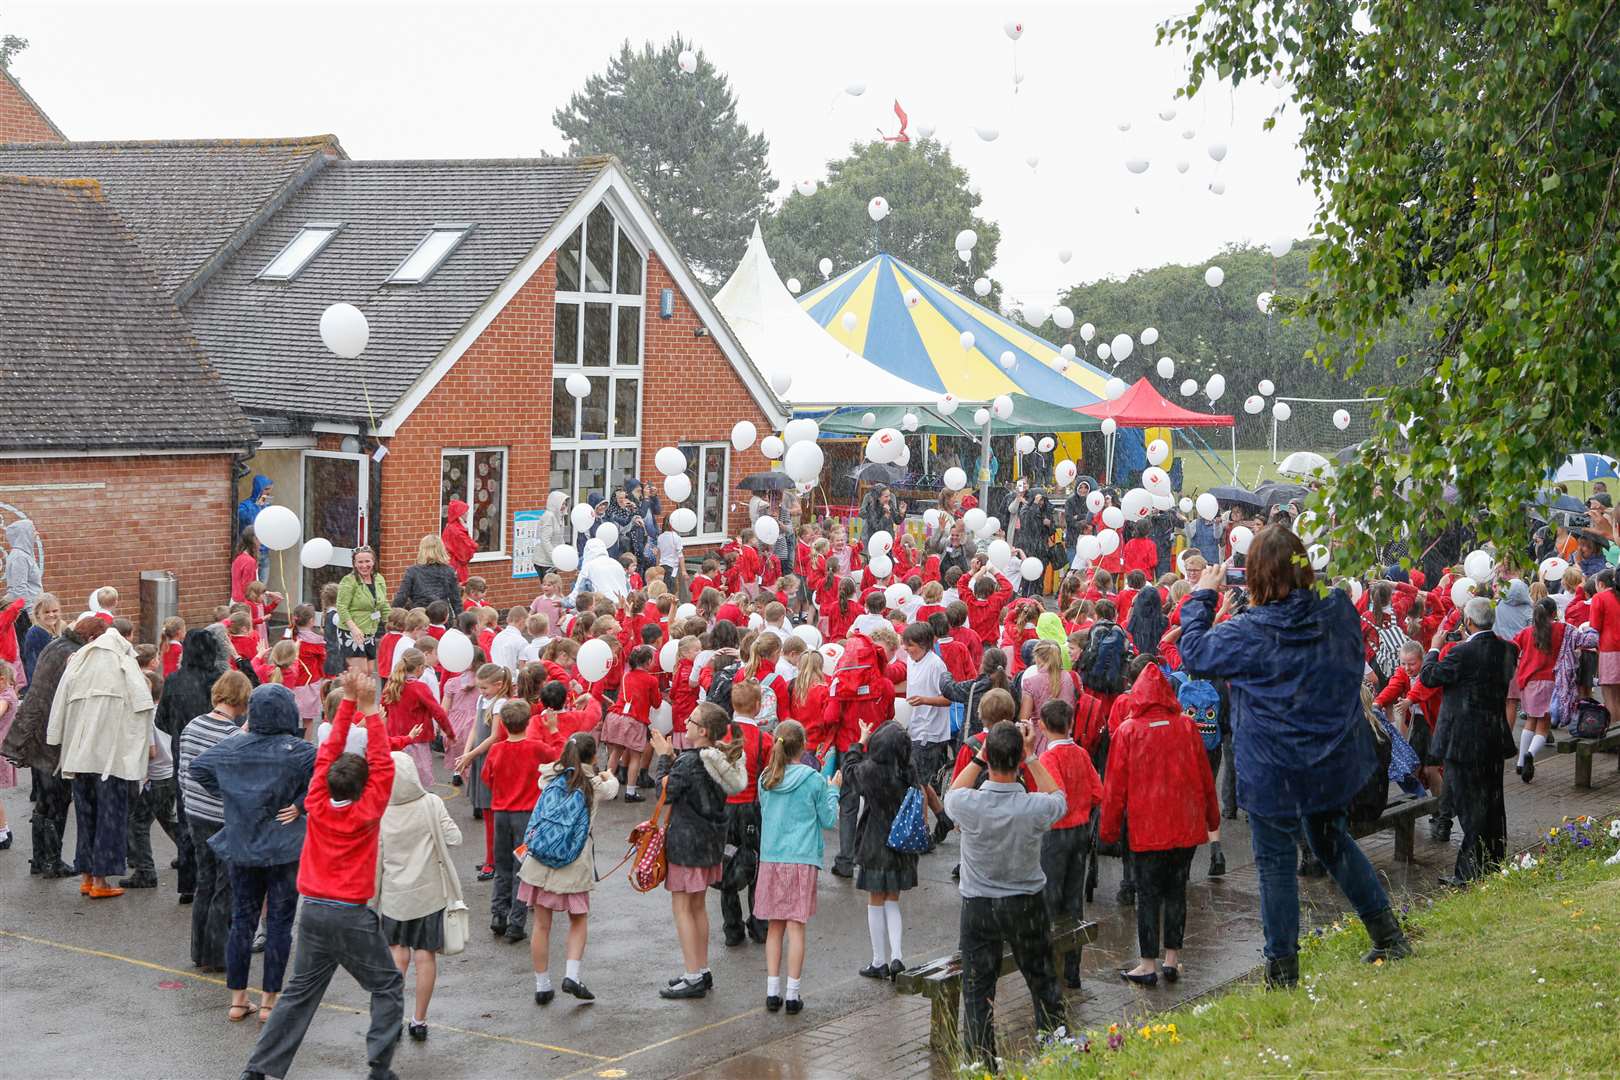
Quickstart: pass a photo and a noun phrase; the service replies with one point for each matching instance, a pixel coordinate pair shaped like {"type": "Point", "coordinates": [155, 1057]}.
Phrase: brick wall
{"type": "Point", "coordinates": [20, 119]}
{"type": "Point", "coordinates": [104, 520]}
{"type": "Point", "coordinates": [499, 394]}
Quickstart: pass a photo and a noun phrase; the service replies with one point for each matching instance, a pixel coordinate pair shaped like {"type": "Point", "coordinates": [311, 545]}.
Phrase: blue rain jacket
{"type": "Point", "coordinates": [255, 775]}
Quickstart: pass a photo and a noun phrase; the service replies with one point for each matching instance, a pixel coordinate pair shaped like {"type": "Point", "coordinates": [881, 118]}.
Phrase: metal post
{"type": "Point", "coordinates": [984, 465]}
{"type": "Point", "coordinates": [1234, 456]}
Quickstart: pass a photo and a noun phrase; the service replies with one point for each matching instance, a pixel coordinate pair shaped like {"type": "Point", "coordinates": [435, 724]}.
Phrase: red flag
{"type": "Point", "coordinates": [902, 137]}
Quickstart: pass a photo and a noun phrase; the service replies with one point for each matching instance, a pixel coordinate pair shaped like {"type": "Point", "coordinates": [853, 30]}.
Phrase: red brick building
{"type": "Point", "coordinates": [21, 118]}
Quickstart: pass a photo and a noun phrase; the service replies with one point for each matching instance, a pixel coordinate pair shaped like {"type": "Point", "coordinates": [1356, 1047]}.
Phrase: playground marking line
{"type": "Point", "coordinates": [591, 1069]}
{"type": "Point", "coordinates": [196, 976]}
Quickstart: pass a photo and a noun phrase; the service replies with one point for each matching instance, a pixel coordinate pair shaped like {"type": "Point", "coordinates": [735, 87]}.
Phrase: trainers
{"type": "Point", "coordinates": [258, 941]}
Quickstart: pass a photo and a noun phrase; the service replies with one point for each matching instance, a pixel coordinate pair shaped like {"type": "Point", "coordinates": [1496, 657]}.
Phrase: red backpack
{"type": "Point", "coordinates": [859, 671]}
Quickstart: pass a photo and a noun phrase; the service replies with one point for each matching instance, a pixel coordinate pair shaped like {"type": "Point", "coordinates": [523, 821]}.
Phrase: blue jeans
{"type": "Point", "coordinates": [276, 889]}
{"type": "Point", "coordinates": [1275, 842]}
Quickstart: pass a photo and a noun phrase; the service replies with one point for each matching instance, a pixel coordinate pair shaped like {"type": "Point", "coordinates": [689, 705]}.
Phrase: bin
{"type": "Point", "coordinates": [160, 598]}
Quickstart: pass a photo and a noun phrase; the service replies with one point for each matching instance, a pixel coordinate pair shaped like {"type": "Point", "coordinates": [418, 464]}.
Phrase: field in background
{"type": "Point", "coordinates": [1200, 475]}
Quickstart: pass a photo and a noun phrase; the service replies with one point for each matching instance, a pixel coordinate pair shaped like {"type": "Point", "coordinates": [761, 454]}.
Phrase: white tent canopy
{"type": "Point", "coordinates": [781, 336]}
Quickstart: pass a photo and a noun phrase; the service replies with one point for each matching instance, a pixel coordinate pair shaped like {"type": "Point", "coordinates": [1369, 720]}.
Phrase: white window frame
{"type": "Point", "coordinates": [462, 231]}
{"type": "Point", "coordinates": [717, 533]}
{"type": "Point", "coordinates": [469, 453]}
{"type": "Point", "coordinates": [331, 228]}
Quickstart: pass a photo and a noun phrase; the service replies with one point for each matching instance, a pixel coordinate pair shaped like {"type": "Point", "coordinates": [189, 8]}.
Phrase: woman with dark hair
{"type": "Point", "coordinates": [878, 513]}
{"type": "Point", "coordinates": [624, 511]}
{"type": "Point", "coordinates": [1147, 622]}
{"type": "Point", "coordinates": [1293, 661]}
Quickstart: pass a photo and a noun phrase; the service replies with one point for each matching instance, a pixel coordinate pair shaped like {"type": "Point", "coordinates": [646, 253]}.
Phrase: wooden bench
{"type": "Point", "coordinates": [1583, 749]}
{"type": "Point", "coordinates": [940, 981]}
{"type": "Point", "coordinates": [1401, 815]}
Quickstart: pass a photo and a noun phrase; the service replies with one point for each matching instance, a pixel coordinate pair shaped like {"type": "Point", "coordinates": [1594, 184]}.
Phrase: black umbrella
{"type": "Point", "coordinates": [1240, 496]}
{"type": "Point", "coordinates": [873, 472]}
{"type": "Point", "coordinates": [1276, 493]}
{"type": "Point", "coordinates": [1560, 503]}
{"type": "Point", "coordinates": [1348, 454]}
{"type": "Point", "coordinates": [766, 481]}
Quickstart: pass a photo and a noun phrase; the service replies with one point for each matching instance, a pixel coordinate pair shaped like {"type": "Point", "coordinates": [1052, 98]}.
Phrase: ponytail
{"type": "Point", "coordinates": [1541, 623]}
{"type": "Point", "coordinates": [406, 665]}
{"type": "Point", "coordinates": [787, 749]}
{"type": "Point", "coordinates": [994, 665]}
{"type": "Point", "coordinates": [496, 673]}
{"type": "Point", "coordinates": [577, 752]}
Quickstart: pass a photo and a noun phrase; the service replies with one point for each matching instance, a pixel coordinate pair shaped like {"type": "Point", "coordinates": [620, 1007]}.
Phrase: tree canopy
{"type": "Point", "coordinates": [1465, 154]}
{"type": "Point", "coordinates": [678, 136]}
{"type": "Point", "coordinates": [930, 200]}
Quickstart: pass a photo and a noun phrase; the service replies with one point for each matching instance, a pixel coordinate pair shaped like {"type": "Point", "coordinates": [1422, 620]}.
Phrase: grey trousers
{"type": "Point", "coordinates": [849, 816]}
{"type": "Point", "coordinates": [330, 937]}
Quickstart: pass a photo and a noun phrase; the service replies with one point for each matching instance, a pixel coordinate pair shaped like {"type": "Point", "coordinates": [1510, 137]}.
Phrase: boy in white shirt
{"type": "Point", "coordinates": [539, 629]}
{"type": "Point", "coordinates": [872, 618]}
{"type": "Point", "coordinates": [930, 724]}
{"type": "Point", "coordinates": [776, 621]}
{"type": "Point", "coordinates": [507, 648]}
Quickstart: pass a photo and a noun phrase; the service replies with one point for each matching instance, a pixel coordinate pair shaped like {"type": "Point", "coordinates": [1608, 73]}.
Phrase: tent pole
{"type": "Point", "coordinates": [984, 466]}
{"type": "Point", "coordinates": [1234, 457]}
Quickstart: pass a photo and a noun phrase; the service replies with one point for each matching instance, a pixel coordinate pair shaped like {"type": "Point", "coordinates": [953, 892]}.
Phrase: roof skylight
{"type": "Point", "coordinates": [299, 251]}
{"type": "Point", "coordinates": [440, 241]}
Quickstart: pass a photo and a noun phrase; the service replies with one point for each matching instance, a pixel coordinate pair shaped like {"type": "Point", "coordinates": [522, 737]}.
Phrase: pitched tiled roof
{"type": "Point", "coordinates": [93, 353]}
{"type": "Point", "coordinates": [265, 335]}
{"type": "Point", "coordinates": [190, 202]}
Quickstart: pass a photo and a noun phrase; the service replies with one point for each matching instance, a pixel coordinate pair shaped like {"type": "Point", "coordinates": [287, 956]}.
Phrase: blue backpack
{"type": "Point", "coordinates": [559, 825]}
{"type": "Point", "coordinates": [908, 833]}
{"type": "Point", "coordinates": [1201, 703]}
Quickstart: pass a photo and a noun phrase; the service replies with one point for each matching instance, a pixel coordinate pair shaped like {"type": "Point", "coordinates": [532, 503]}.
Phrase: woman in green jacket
{"type": "Point", "coordinates": [362, 605]}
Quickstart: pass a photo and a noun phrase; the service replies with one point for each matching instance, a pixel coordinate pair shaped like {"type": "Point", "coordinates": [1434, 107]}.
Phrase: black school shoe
{"type": "Point", "coordinates": [1528, 773]}
{"type": "Point", "coordinates": [876, 971]}
{"type": "Point", "coordinates": [682, 990]}
{"type": "Point", "coordinates": [707, 980]}
{"type": "Point", "coordinates": [772, 1003]}
{"type": "Point", "coordinates": [577, 989]}
{"type": "Point", "coordinates": [497, 927]}
{"type": "Point", "coordinates": [896, 967]}
{"type": "Point", "coordinates": [417, 1031]}
{"type": "Point", "coordinates": [486, 872]}
{"type": "Point", "coordinates": [543, 997]}
{"type": "Point", "coordinates": [139, 881]}
{"type": "Point", "coordinates": [634, 796]}
{"type": "Point", "coordinates": [514, 933]}
{"type": "Point", "coordinates": [795, 1006]}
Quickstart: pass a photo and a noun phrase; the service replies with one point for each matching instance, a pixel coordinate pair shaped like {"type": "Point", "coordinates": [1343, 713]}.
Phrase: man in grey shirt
{"type": "Point", "coordinates": [1002, 882]}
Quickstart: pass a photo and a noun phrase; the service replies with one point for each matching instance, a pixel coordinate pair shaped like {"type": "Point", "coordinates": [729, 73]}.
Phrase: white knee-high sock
{"type": "Point", "coordinates": [1536, 743]}
{"type": "Point", "coordinates": [1524, 744]}
{"type": "Point", "coordinates": [891, 915]}
{"type": "Point", "coordinates": [877, 927]}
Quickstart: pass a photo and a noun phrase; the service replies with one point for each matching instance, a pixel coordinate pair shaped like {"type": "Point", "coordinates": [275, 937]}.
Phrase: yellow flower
{"type": "Point", "coordinates": [1113, 1029]}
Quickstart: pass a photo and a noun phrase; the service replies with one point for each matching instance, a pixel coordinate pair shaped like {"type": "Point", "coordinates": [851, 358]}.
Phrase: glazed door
{"type": "Point", "coordinates": [337, 499]}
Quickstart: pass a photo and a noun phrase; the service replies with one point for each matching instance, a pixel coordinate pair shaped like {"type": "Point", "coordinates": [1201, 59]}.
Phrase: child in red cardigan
{"type": "Point", "coordinates": [512, 772]}
{"type": "Point", "coordinates": [409, 702]}
{"type": "Point", "coordinates": [174, 632]}
{"type": "Point", "coordinates": [625, 729]}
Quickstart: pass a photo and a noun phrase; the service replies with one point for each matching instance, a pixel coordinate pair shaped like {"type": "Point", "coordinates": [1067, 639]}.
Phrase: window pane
{"type": "Point", "coordinates": [489, 514]}
{"type": "Point", "coordinates": [332, 499]}
{"type": "Point", "coordinates": [629, 279]}
{"type": "Point", "coordinates": [599, 250]}
{"type": "Point", "coordinates": [625, 392]}
{"type": "Point", "coordinates": [562, 475]}
{"type": "Point", "coordinates": [592, 484]}
{"type": "Point", "coordinates": [565, 349]}
{"type": "Point", "coordinates": [714, 490]}
{"type": "Point", "coordinates": [694, 463]}
{"type": "Point", "coordinates": [568, 264]}
{"type": "Point", "coordinates": [296, 254]}
{"type": "Point", "coordinates": [629, 344]}
{"type": "Point", "coordinates": [425, 259]}
{"type": "Point", "coordinates": [598, 331]}
{"type": "Point", "coordinates": [562, 410]}
{"type": "Point", "coordinates": [593, 413]}
{"type": "Point", "coordinates": [624, 467]}
{"type": "Point", "coordinates": [452, 479]}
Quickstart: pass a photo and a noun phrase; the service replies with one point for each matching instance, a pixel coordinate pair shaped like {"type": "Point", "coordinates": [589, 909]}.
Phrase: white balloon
{"type": "Point", "coordinates": [1478, 565]}
{"type": "Point", "coordinates": [1113, 517]}
{"type": "Point", "coordinates": [896, 594]}
{"type": "Point", "coordinates": [1008, 360]}
{"type": "Point", "coordinates": [1167, 115]}
{"type": "Point", "coordinates": [1214, 276]}
{"type": "Point", "coordinates": [1104, 351]}
{"type": "Point", "coordinates": [1189, 133]}
{"type": "Point", "coordinates": [965, 256]}
{"type": "Point", "coordinates": [974, 520]}
{"type": "Point", "coordinates": [992, 525]}
{"type": "Point", "coordinates": [878, 208]}
{"type": "Point", "coordinates": [803, 462]}
{"type": "Point", "coordinates": [277, 528]}
{"type": "Point", "coordinates": [668, 655]}
{"type": "Point", "coordinates": [869, 419]}
{"type": "Point", "coordinates": [988, 134]}
{"type": "Point", "coordinates": [1341, 419]}
{"type": "Point", "coordinates": [1189, 387]}
{"type": "Point", "coordinates": [1263, 302]}
{"type": "Point", "coordinates": [1087, 332]}
{"type": "Point", "coordinates": [1136, 504]}
{"type": "Point", "coordinates": [1109, 426]}
{"type": "Point", "coordinates": [565, 557]}
{"type": "Point", "coordinates": [881, 566]}
{"type": "Point", "coordinates": [315, 553]}
{"type": "Point", "coordinates": [1002, 407]}
{"type": "Point", "coordinates": [1086, 549]}
{"type": "Point", "coordinates": [344, 330]}
{"type": "Point", "coordinates": [1115, 388]}
{"type": "Point", "coordinates": [794, 286]}
{"type": "Point", "coordinates": [1185, 505]}
{"type": "Point", "coordinates": [1182, 165]}
{"type": "Point", "coordinates": [594, 659]}
{"type": "Point", "coordinates": [682, 519]}
{"type": "Point", "coordinates": [742, 435]}
{"type": "Point", "coordinates": [577, 385]}
{"type": "Point", "coordinates": [1215, 387]}
{"type": "Point", "coordinates": [678, 488]}
{"type": "Point", "coordinates": [1167, 368]}
{"type": "Point", "coordinates": [687, 61]}
{"type": "Point", "coordinates": [1208, 506]}
{"type": "Point", "coordinates": [1217, 187]}
{"type": "Point", "coordinates": [931, 518]}
{"type": "Point", "coordinates": [947, 404]}
{"type": "Point", "coordinates": [913, 298]}
{"type": "Point", "coordinates": [981, 287]}
{"type": "Point", "coordinates": [686, 611]}
{"type": "Point", "coordinates": [1281, 410]}
{"type": "Point", "coordinates": [1353, 587]}
{"type": "Point", "coordinates": [1158, 451]}
{"type": "Point", "coordinates": [825, 266]}
{"type": "Point", "coordinates": [1462, 590]}
{"type": "Point", "coordinates": [1064, 255]}
{"type": "Point", "coordinates": [1281, 246]}
{"type": "Point", "coordinates": [807, 186]}
{"type": "Point", "coordinates": [1062, 317]}
{"type": "Point", "coordinates": [884, 446]}
{"type": "Point", "coordinates": [809, 635]}
{"type": "Point", "coordinates": [1155, 480]}
{"type": "Point", "coordinates": [1013, 29]}
{"type": "Point", "coordinates": [1107, 542]}
{"type": "Point", "coordinates": [556, 501]}
{"type": "Point", "coordinates": [967, 339]}
{"type": "Point", "coordinates": [955, 479]}
{"type": "Point", "coordinates": [1150, 336]}
{"type": "Point", "coordinates": [772, 447]}
{"type": "Point", "coordinates": [1068, 351]}
{"type": "Point", "coordinates": [608, 533]}
{"type": "Point", "coordinates": [1553, 568]}
{"type": "Point", "coordinates": [1046, 444]}
{"type": "Point", "coordinates": [966, 239]}
{"type": "Point", "coordinates": [1035, 314]}
{"type": "Point", "coordinates": [1065, 472]}
{"type": "Point", "coordinates": [1024, 444]}
{"type": "Point", "coordinates": [1163, 502]}
{"type": "Point", "coordinates": [1267, 387]}
{"type": "Point", "coordinates": [801, 430]}
{"type": "Point", "coordinates": [670, 461]}
{"type": "Point", "coordinates": [1137, 165]}
{"type": "Point", "coordinates": [981, 417]}
{"type": "Point", "coordinates": [1241, 537]}
{"type": "Point", "coordinates": [1217, 150]}
{"type": "Point", "coordinates": [1123, 125]}
{"type": "Point", "coordinates": [1031, 569]}
{"type": "Point", "coordinates": [855, 89]}
{"type": "Point", "coordinates": [1122, 346]}
{"type": "Point", "coordinates": [767, 528]}
{"type": "Point", "coordinates": [879, 543]}
{"type": "Point", "coordinates": [1253, 404]}
{"type": "Point", "coordinates": [1317, 553]}
{"type": "Point", "coordinates": [1094, 502]}
{"type": "Point", "coordinates": [583, 517]}
{"type": "Point", "coordinates": [849, 321]}
{"type": "Point", "coordinates": [455, 651]}
{"type": "Point", "coordinates": [999, 552]}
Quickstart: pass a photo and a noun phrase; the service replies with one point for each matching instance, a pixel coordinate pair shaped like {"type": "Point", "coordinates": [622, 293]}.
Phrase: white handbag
{"type": "Point", "coordinates": [456, 916]}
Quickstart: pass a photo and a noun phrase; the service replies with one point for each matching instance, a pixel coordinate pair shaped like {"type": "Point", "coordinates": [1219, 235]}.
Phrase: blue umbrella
{"type": "Point", "coordinates": [1585, 468]}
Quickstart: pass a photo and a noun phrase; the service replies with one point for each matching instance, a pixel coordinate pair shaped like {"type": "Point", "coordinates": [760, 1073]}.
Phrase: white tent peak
{"type": "Point", "coordinates": [779, 334]}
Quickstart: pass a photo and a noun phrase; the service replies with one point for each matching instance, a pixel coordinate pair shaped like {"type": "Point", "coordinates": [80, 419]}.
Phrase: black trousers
{"type": "Point", "coordinates": [149, 802]}
{"type": "Point", "coordinates": [988, 926]}
{"type": "Point", "coordinates": [184, 851]}
{"type": "Point", "coordinates": [101, 813]}
{"type": "Point", "coordinates": [1476, 795]}
{"type": "Point", "coordinates": [1065, 854]}
{"type": "Point", "coordinates": [1161, 891]}
{"type": "Point", "coordinates": [849, 817]}
{"type": "Point", "coordinates": [53, 798]}
{"type": "Point", "coordinates": [504, 908]}
{"type": "Point", "coordinates": [211, 903]}
{"type": "Point", "coordinates": [742, 831]}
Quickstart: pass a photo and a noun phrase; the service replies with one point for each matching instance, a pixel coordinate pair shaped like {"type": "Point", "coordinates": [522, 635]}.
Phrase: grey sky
{"type": "Point", "coordinates": [465, 80]}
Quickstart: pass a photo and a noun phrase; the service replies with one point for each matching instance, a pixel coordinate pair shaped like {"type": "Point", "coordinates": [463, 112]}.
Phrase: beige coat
{"type": "Point", "coordinates": [579, 875]}
{"type": "Point", "coordinates": [101, 716]}
{"type": "Point", "coordinates": [411, 877]}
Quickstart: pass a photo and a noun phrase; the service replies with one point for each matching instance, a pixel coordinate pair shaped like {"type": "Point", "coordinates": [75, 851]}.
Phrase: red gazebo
{"type": "Point", "coordinates": [1142, 406]}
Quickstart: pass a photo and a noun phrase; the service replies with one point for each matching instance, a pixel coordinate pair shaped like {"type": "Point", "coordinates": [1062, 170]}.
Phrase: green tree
{"type": "Point", "coordinates": [10, 46]}
{"type": "Point", "coordinates": [1465, 155]}
{"type": "Point", "coordinates": [930, 201]}
{"type": "Point", "coordinates": [677, 135]}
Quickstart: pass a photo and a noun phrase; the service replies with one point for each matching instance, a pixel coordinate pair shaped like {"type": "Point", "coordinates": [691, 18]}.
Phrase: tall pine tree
{"type": "Point", "coordinates": [678, 136]}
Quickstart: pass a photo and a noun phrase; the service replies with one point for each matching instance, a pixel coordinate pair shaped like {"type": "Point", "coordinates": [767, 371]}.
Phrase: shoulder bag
{"type": "Point", "coordinates": [456, 916]}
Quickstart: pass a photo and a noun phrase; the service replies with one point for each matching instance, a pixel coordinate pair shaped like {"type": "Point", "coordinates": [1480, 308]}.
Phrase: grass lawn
{"type": "Point", "coordinates": [1197, 474]}
{"type": "Point", "coordinates": [1518, 976]}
